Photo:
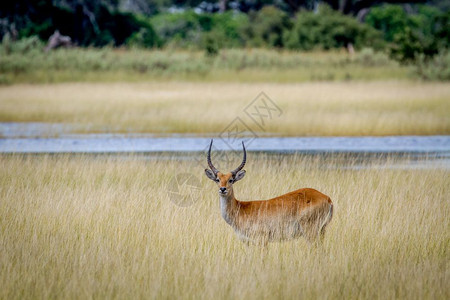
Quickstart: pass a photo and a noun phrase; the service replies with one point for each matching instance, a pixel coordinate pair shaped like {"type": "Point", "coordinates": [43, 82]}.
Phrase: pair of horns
{"type": "Point", "coordinates": [215, 171]}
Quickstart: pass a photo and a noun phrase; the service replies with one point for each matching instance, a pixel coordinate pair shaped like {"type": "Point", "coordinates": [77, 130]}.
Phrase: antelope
{"type": "Point", "coordinates": [303, 212]}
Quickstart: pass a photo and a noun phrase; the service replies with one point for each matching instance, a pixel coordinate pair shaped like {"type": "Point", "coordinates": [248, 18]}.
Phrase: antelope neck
{"type": "Point", "coordinates": [229, 207]}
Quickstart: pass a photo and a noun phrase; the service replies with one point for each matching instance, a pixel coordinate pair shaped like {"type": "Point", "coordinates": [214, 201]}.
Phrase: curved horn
{"type": "Point", "coordinates": [242, 163]}
{"type": "Point", "coordinates": [211, 166]}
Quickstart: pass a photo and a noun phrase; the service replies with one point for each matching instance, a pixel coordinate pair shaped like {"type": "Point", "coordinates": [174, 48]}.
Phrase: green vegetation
{"type": "Point", "coordinates": [24, 61]}
{"type": "Point", "coordinates": [102, 227]}
{"type": "Point", "coordinates": [329, 29]}
{"type": "Point", "coordinates": [412, 35]}
{"type": "Point", "coordinates": [107, 26]}
{"type": "Point", "coordinates": [420, 38]}
{"type": "Point", "coordinates": [436, 68]}
{"type": "Point", "coordinates": [189, 30]}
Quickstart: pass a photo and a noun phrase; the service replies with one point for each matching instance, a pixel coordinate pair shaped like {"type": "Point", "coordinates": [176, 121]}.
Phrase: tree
{"type": "Point", "coordinates": [348, 7]}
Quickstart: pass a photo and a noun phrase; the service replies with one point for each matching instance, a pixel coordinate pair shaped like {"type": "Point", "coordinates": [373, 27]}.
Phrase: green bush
{"type": "Point", "coordinates": [436, 68]}
{"type": "Point", "coordinates": [371, 58]}
{"type": "Point", "coordinates": [329, 29]}
{"type": "Point", "coordinates": [224, 32]}
{"type": "Point", "coordinates": [191, 30]}
{"type": "Point", "coordinates": [117, 28]}
{"type": "Point", "coordinates": [227, 28]}
{"type": "Point", "coordinates": [211, 44]}
{"type": "Point", "coordinates": [182, 30]}
{"type": "Point", "coordinates": [145, 37]}
{"type": "Point", "coordinates": [423, 33]}
{"type": "Point", "coordinates": [22, 46]}
{"type": "Point", "coordinates": [389, 19]}
{"type": "Point", "coordinates": [266, 27]}
{"type": "Point", "coordinates": [406, 46]}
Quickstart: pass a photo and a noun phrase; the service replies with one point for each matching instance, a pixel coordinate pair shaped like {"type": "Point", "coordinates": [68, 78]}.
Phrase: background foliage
{"type": "Point", "coordinates": [412, 33]}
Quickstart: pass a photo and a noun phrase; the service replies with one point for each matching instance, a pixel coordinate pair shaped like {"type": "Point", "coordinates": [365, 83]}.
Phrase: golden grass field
{"type": "Point", "coordinates": [107, 226]}
{"type": "Point", "coordinates": [314, 108]}
{"type": "Point", "coordinates": [83, 227]}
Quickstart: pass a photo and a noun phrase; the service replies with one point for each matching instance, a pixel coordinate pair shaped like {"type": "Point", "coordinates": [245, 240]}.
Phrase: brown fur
{"type": "Point", "coordinates": [303, 212]}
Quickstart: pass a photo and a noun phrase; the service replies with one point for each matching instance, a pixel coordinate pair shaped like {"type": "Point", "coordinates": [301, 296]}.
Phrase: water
{"type": "Point", "coordinates": [111, 143]}
{"type": "Point", "coordinates": [33, 129]}
{"type": "Point", "coordinates": [41, 138]}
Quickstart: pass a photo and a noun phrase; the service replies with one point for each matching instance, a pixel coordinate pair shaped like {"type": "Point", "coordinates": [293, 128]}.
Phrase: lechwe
{"type": "Point", "coordinates": [304, 212]}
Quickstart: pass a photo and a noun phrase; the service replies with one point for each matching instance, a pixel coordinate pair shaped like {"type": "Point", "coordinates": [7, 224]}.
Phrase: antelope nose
{"type": "Point", "coordinates": [222, 189]}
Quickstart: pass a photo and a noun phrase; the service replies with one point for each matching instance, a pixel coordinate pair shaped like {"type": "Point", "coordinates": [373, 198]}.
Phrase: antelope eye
{"type": "Point", "coordinates": [216, 180]}
{"type": "Point", "coordinates": [230, 181]}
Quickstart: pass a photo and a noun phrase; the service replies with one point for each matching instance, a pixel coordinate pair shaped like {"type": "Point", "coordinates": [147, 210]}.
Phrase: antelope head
{"type": "Point", "coordinates": [225, 181]}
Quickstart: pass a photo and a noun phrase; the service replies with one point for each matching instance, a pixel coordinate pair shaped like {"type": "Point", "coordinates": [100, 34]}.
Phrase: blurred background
{"type": "Point", "coordinates": [414, 34]}
{"type": "Point", "coordinates": [330, 68]}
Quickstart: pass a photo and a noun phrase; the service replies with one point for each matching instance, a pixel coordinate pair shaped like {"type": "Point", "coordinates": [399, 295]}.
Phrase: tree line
{"type": "Point", "coordinates": [407, 29]}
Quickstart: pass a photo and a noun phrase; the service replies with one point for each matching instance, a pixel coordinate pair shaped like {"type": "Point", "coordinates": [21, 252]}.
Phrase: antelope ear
{"type": "Point", "coordinates": [239, 175]}
{"type": "Point", "coordinates": [210, 174]}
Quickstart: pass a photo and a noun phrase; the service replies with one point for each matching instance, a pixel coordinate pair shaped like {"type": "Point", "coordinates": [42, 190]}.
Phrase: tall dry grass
{"type": "Point", "coordinates": [105, 227]}
{"type": "Point", "coordinates": [323, 109]}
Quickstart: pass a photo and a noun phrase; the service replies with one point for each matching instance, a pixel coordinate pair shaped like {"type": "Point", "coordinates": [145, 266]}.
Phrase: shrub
{"type": "Point", "coordinates": [370, 58]}
{"type": "Point", "coordinates": [329, 29]}
{"type": "Point", "coordinates": [211, 45]}
{"type": "Point", "coordinates": [118, 28]}
{"type": "Point", "coordinates": [389, 19]}
{"type": "Point", "coordinates": [266, 27]}
{"type": "Point", "coordinates": [145, 37]}
{"type": "Point", "coordinates": [424, 33]}
{"type": "Point", "coordinates": [183, 29]}
{"type": "Point", "coordinates": [406, 46]}
{"type": "Point", "coordinates": [227, 28]}
{"type": "Point", "coordinates": [436, 68]}
{"type": "Point", "coordinates": [22, 46]}
{"type": "Point", "coordinates": [191, 30]}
